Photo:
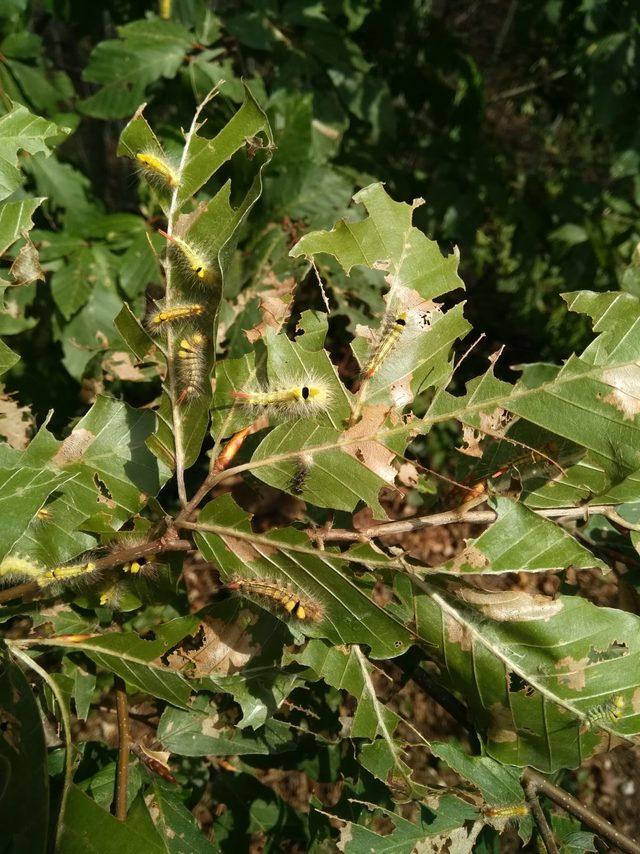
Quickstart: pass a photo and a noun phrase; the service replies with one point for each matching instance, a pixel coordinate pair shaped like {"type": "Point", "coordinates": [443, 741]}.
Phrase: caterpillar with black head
{"type": "Point", "coordinates": [270, 592]}
{"type": "Point", "coordinates": [192, 259]}
{"type": "Point", "coordinates": [305, 398]}
{"type": "Point", "coordinates": [303, 466]}
{"type": "Point", "coordinates": [387, 340]}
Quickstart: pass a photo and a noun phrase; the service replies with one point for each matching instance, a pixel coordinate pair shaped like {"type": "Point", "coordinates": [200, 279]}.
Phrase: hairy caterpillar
{"type": "Point", "coordinates": [262, 589]}
{"type": "Point", "coordinates": [44, 515]}
{"type": "Point", "coordinates": [61, 575]}
{"type": "Point", "coordinates": [514, 811]}
{"type": "Point", "coordinates": [160, 320]}
{"type": "Point", "coordinates": [156, 168]}
{"type": "Point", "coordinates": [611, 710]}
{"type": "Point", "coordinates": [305, 399]}
{"type": "Point", "coordinates": [111, 595]}
{"type": "Point", "coordinates": [165, 9]}
{"type": "Point", "coordinates": [193, 259]}
{"type": "Point", "coordinates": [14, 569]}
{"type": "Point", "coordinates": [191, 365]}
{"type": "Point", "coordinates": [301, 473]}
{"type": "Point", "coordinates": [388, 337]}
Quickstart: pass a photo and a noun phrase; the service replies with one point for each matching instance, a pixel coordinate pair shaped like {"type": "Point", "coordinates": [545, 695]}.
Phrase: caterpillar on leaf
{"type": "Point", "coordinates": [301, 473]}
{"type": "Point", "coordinates": [270, 592]}
{"type": "Point", "coordinates": [609, 711]}
{"type": "Point", "coordinates": [513, 811]}
{"type": "Point", "coordinates": [157, 169]}
{"type": "Point", "coordinates": [192, 259]}
{"type": "Point", "coordinates": [387, 340]}
{"type": "Point", "coordinates": [160, 320]}
{"type": "Point", "coordinates": [192, 363]}
{"type": "Point", "coordinates": [305, 399]}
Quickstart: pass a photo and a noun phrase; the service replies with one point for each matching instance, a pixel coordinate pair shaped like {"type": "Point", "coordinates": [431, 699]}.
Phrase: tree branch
{"type": "Point", "coordinates": [572, 805]}
{"type": "Point", "coordinates": [124, 741]}
{"type": "Point", "coordinates": [540, 819]}
{"type": "Point", "coordinates": [162, 544]}
{"type": "Point", "coordinates": [450, 517]}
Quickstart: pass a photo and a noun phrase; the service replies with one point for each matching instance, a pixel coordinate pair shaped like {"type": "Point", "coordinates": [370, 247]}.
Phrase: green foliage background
{"type": "Point", "coordinates": [518, 124]}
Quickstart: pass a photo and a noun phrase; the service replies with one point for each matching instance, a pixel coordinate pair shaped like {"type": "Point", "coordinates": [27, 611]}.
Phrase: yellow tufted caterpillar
{"type": "Point", "coordinates": [513, 811]}
{"type": "Point", "coordinates": [192, 363]}
{"type": "Point", "coordinates": [69, 574]}
{"type": "Point", "coordinates": [194, 261]}
{"type": "Point", "coordinates": [17, 569]}
{"type": "Point", "coordinates": [171, 315]}
{"type": "Point", "coordinates": [305, 399]}
{"type": "Point", "coordinates": [274, 592]}
{"type": "Point", "coordinates": [156, 168]}
{"type": "Point", "coordinates": [388, 337]}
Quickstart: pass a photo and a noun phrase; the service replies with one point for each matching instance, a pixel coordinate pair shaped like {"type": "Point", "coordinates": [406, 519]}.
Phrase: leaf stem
{"type": "Point", "coordinates": [124, 741]}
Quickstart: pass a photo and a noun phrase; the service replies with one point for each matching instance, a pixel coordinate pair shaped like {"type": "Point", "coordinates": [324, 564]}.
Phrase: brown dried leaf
{"type": "Point", "coordinates": [275, 305]}
{"type": "Point", "coordinates": [16, 422]}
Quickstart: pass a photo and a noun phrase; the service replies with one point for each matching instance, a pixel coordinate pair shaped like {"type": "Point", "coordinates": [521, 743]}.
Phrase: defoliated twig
{"type": "Point", "coordinates": [124, 741]}
{"type": "Point", "coordinates": [450, 517]}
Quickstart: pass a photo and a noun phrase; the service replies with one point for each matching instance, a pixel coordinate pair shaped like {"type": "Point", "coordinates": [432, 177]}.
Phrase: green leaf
{"type": "Point", "coordinates": [16, 218]}
{"type": "Point", "coordinates": [23, 491]}
{"type": "Point", "coordinates": [533, 676]}
{"type": "Point", "coordinates": [522, 541]}
{"type": "Point", "coordinates": [88, 829]}
{"type": "Point", "coordinates": [177, 827]}
{"type": "Point", "coordinates": [7, 358]}
{"type": "Point", "coordinates": [21, 130]}
{"type": "Point", "coordinates": [386, 240]}
{"type": "Point", "coordinates": [24, 793]}
{"type": "Point", "coordinates": [146, 51]}
{"type": "Point", "coordinates": [284, 557]}
{"type": "Point", "coordinates": [134, 659]}
{"type": "Point", "coordinates": [499, 784]}
{"type": "Point", "coordinates": [114, 472]}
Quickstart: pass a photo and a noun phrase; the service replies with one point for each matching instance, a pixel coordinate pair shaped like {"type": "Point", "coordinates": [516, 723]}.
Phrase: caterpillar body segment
{"type": "Point", "coordinates": [159, 321]}
{"type": "Point", "coordinates": [606, 712]}
{"type": "Point", "coordinates": [191, 366]}
{"type": "Point", "coordinates": [17, 569]}
{"type": "Point", "coordinates": [157, 169]}
{"type": "Point", "coordinates": [194, 261]}
{"type": "Point", "coordinates": [270, 592]}
{"type": "Point", "coordinates": [305, 399]}
{"type": "Point", "coordinates": [388, 338]}
{"type": "Point", "coordinates": [513, 811]}
{"type": "Point", "coordinates": [61, 575]}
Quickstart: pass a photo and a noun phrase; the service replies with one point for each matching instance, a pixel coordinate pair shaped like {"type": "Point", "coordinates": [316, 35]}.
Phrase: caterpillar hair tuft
{"type": "Point", "coordinates": [157, 168]}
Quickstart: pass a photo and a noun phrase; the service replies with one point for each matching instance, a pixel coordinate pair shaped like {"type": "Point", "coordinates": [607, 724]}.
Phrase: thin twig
{"type": "Point", "coordinates": [122, 556]}
{"type": "Point", "coordinates": [572, 805]}
{"type": "Point", "coordinates": [124, 741]}
{"type": "Point", "coordinates": [540, 819]}
{"type": "Point", "coordinates": [450, 517]}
